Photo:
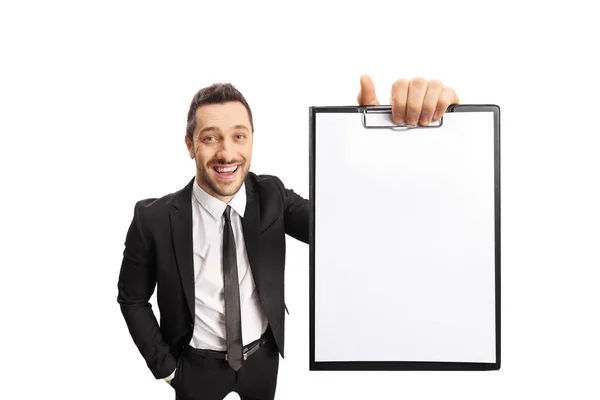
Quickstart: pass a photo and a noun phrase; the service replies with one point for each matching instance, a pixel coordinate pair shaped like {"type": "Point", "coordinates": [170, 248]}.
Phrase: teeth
{"type": "Point", "coordinates": [228, 169]}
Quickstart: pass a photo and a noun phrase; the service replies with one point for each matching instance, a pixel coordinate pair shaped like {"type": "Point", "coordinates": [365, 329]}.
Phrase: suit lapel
{"type": "Point", "coordinates": [251, 228]}
{"type": "Point", "coordinates": [181, 227]}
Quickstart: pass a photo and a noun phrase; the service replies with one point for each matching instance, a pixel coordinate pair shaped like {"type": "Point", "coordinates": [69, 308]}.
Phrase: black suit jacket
{"type": "Point", "coordinates": [159, 253]}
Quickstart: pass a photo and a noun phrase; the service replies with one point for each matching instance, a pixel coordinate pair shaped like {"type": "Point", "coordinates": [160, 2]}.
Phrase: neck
{"type": "Point", "coordinates": [207, 189]}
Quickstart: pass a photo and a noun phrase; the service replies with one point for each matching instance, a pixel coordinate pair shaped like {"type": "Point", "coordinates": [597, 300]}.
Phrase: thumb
{"type": "Point", "coordinates": [366, 96]}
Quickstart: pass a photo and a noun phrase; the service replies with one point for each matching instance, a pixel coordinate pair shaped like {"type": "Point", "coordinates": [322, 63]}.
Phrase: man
{"type": "Point", "coordinates": [215, 251]}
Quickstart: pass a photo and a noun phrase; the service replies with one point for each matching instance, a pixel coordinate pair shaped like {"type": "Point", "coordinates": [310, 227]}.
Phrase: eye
{"type": "Point", "coordinates": [240, 136]}
{"type": "Point", "coordinates": [209, 139]}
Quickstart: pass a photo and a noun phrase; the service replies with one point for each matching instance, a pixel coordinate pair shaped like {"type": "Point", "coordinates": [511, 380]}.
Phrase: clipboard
{"type": "Point", "coordinates": [404, 240]}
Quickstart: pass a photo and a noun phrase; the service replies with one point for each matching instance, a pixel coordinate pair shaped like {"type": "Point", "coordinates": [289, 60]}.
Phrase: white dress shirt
{"type": "Point", "coordinates": [207, 228]}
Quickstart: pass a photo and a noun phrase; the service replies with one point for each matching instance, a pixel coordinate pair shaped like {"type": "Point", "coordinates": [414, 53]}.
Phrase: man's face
{"type": "Point", "coordinates": [222, 148]}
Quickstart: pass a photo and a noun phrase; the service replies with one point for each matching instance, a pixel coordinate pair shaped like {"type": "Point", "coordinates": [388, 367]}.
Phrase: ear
{"type": "Point", "coordinates": [190, 146]}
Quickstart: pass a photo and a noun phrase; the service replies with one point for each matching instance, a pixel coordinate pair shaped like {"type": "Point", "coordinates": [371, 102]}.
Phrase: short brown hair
{"type": "Point", "coordinates": [214, 94]}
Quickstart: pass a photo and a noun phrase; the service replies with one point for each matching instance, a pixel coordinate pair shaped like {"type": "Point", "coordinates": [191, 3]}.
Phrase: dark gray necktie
{"type": "Point", "coordinates": [233, 319]}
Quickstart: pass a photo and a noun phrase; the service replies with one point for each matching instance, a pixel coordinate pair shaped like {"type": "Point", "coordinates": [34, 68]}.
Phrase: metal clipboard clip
{"type": "Point", "coordinates": [380, 117]}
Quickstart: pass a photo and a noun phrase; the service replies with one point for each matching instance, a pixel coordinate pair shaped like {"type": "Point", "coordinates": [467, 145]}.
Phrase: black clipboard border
{"type": "Point", "coordinates": [402, 365]}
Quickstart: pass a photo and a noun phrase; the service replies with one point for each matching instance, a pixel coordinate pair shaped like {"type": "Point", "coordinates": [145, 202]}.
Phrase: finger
{"type": "Point", "coordinates": [366, 96]}
{"type": "Point", "coordinates": [447, 98]}
{"type": "Point", "coordinates": [434, 90]}
{"type": "Point", "coordinates": [416, 93]}
{"type": "Point", "coordinates": [398, 100]}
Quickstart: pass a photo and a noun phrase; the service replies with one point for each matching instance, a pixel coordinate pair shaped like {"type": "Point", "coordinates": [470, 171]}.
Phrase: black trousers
{"type": "Point", "coordinates": [201, 376]}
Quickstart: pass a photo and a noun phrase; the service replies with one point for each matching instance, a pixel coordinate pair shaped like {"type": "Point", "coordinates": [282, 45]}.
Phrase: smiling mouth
{"type": "Point", "coordinates": [226, 171]}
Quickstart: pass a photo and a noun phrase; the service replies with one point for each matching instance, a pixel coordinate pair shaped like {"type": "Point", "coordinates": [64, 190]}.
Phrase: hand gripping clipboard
{"type": "Point", "coordinates": [404, 240]}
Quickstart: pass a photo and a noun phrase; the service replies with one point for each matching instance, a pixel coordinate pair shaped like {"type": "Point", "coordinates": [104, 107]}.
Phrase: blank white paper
{"type": "Point", "coordinates": [404, 245]}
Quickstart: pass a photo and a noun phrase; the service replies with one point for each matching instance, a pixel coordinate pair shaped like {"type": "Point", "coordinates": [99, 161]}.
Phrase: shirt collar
{"type": "Point", "coordinates": [217, 207]}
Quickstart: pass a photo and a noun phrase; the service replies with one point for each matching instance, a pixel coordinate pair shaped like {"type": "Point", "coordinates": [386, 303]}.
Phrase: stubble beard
{"type": "Point", "coordinates": [224, 190]}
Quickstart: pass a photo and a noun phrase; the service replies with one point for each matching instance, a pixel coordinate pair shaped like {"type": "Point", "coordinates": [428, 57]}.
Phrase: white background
{"type": "Point", "coordinates": [93, 102]}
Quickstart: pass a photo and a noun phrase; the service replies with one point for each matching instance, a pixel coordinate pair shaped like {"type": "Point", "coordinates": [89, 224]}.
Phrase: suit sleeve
{"type": "Point", "coordinates": [137, 281]}
{"type": "Point", "coordinates": [296, 213]}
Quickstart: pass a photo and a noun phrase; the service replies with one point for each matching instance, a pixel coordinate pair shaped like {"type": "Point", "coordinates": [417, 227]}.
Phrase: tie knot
{"type": "Point", "coordinates": [226, 213]}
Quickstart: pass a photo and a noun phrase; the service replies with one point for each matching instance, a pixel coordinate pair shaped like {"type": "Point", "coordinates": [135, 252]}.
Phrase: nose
{"type": "Point", "coordinates": [225, 151]}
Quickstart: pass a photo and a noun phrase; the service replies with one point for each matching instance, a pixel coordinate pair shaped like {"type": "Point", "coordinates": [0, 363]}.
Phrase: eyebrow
{"type": "Point", "coordinates": [217, 129]}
